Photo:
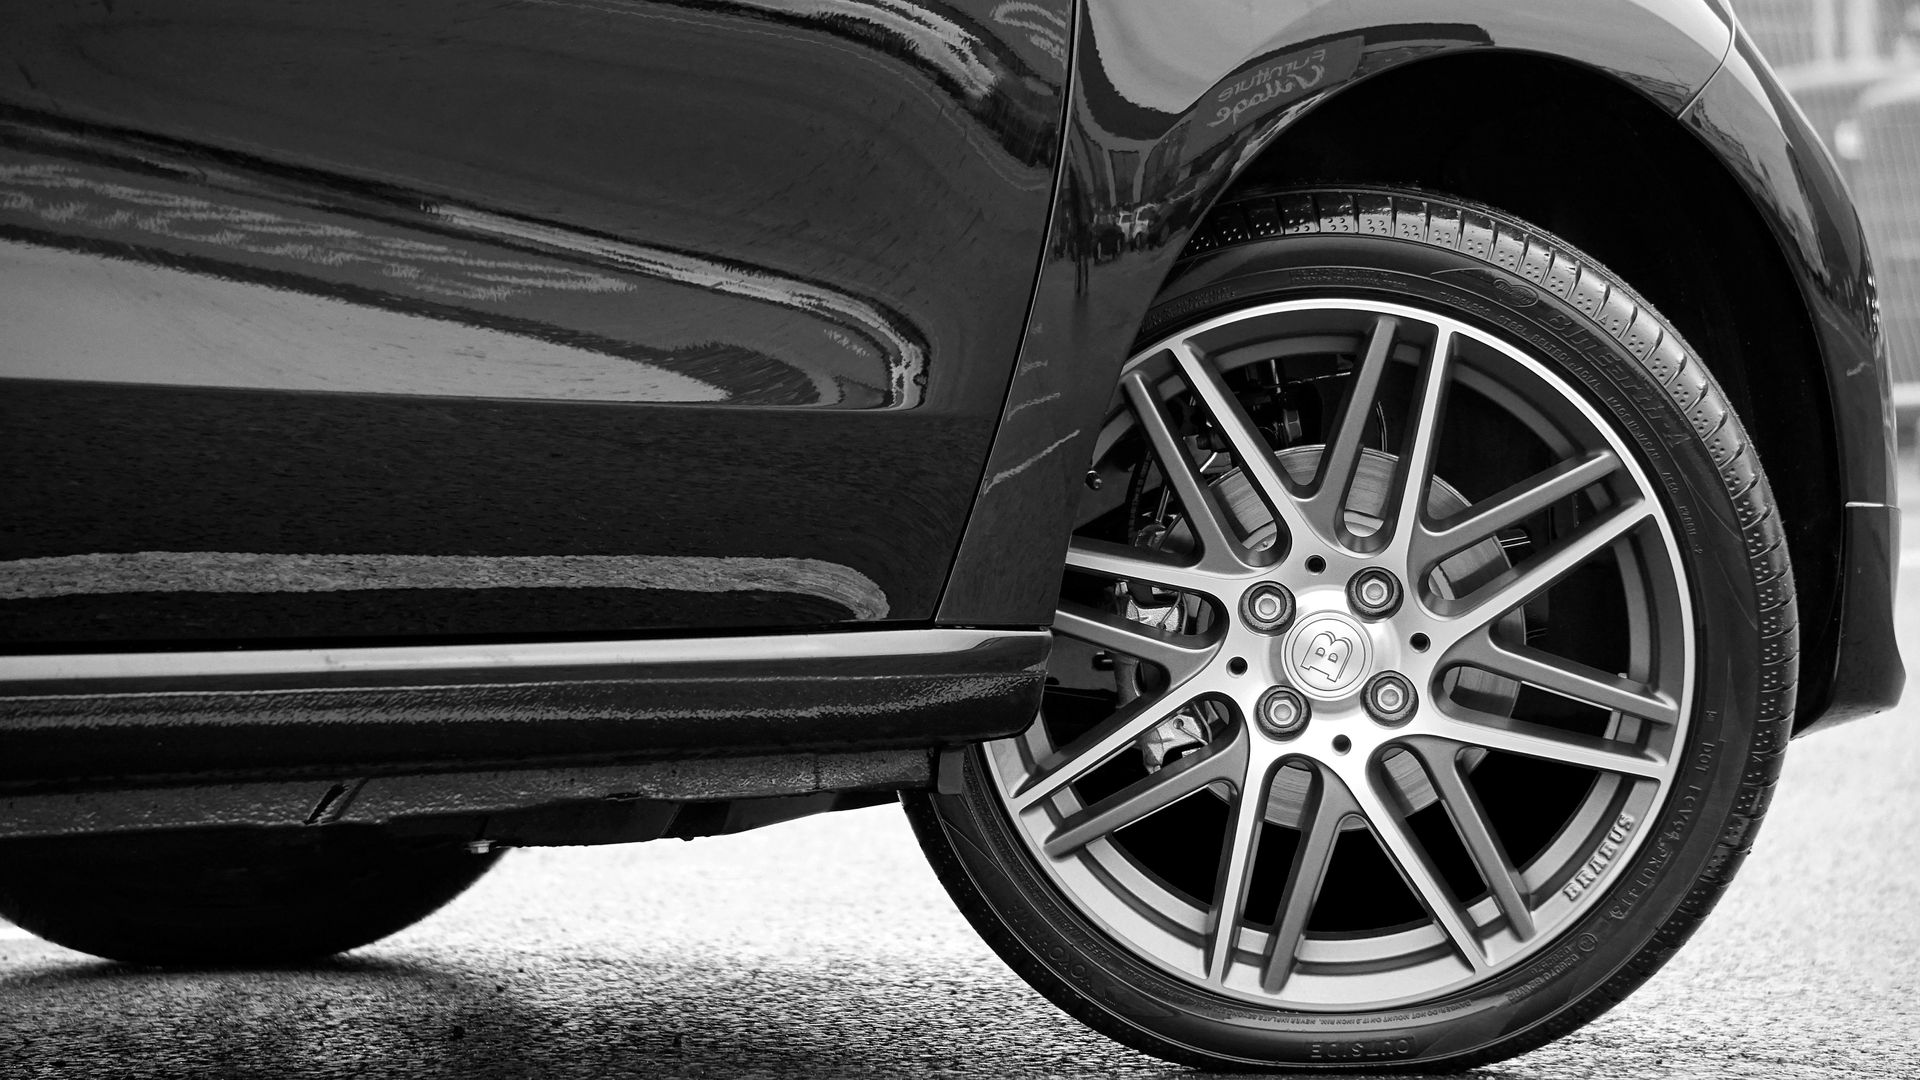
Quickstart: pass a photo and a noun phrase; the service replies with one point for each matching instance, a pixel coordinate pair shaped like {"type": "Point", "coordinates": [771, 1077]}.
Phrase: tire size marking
{"type": "Point", "coordinates": [1559, 965]}
{"type": "Point", "coordinates": [1663, 845]}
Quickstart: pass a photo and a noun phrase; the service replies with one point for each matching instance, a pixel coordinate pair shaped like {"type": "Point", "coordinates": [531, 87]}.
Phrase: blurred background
{"type": "Point", "coordinates": [1854, 67]}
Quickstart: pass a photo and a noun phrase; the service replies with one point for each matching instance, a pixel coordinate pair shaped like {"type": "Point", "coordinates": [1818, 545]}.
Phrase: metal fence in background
{"type": "Point", "coordinates": [1853, 66]}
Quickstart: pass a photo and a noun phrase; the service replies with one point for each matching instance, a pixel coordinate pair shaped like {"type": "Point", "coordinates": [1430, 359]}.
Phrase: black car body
{"type": "Point", "coordinates": [595, 421]}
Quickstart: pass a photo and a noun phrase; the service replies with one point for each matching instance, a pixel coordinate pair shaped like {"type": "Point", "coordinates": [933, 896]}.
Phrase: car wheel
{"type": "Point", "coordinates": [1423, 662]}
{"type": "Point", "coordinates": [216, 897]}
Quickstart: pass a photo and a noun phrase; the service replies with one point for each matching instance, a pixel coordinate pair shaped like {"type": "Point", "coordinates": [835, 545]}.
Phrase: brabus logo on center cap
{"type": "Point", "coordinates": [1327, 654]}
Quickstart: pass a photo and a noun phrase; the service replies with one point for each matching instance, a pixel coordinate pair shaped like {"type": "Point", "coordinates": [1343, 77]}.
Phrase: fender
{"type": "Point", "coordinates": [1766, 144]}
{"type": "Point", "coordinates": [1165, 111]}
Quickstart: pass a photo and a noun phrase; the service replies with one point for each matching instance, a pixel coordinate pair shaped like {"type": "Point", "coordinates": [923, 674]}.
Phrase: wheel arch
{"type": "Point", "coordinates": [1458, 130]}
{"type": "Point", "coordinates": [1151, 148]}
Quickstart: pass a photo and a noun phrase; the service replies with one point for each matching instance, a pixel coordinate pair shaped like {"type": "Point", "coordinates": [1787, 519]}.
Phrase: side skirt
{"type": "Point", "coordinates": [481, 728]}
{"type": "Point", "coordinates": [604, 804]}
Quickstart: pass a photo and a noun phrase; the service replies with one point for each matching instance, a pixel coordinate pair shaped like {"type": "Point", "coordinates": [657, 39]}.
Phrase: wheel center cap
{"type": "Point", "coordinates": [1327, 655]}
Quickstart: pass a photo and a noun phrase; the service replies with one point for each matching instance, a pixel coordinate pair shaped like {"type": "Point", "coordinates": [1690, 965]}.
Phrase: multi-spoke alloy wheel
{"type": "Point", "coordinates": [1389, 727]}
{"type": "Point", "coordinates": [1410, 650]}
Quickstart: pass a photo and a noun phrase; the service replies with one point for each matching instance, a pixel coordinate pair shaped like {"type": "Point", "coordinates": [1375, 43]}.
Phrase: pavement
{"type": "Point", "coordinates": [824, 948]}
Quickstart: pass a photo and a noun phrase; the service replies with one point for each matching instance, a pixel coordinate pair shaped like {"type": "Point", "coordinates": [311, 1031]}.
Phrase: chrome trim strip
{"type": "Point", "coordinates": [109, 667]}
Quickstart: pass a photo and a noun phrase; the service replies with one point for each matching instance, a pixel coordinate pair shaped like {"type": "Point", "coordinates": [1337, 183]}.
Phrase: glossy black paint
{"type": "Point", "coordinates": [1163, 137]}
{"type": "Point", "coordinates": [1764, 141]}
{"type": "Point", "coordinates": [1868, 674]}
{"type": "Point", "coordinates": [414, 297]}
{"type": "Point", "coordinates": [1850, 666]}
{"type": "Point", "coordinates": [1098, 283]}
{"type": "Point", "coordinates": [730, 283]}
{"type": "Point", "coordinates": [121, 468]}
{"type": "Point", "coordinates": [825, 223]}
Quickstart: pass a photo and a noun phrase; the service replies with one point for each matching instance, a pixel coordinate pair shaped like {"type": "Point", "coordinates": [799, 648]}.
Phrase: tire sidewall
{"type": "Point", "coordinates": [1591, 961]}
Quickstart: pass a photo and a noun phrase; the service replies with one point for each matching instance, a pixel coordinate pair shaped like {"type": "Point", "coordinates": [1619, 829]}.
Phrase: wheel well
{"type": "Point", "coordinates": [1588, 158]}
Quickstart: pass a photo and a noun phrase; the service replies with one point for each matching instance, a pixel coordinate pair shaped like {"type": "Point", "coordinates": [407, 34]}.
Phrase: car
{"type": "Point", "coordinates": [1327, 516]}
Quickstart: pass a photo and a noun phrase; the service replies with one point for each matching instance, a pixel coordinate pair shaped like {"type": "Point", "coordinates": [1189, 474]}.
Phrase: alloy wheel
{"type": "Point", "coordinates": [1323, 661]}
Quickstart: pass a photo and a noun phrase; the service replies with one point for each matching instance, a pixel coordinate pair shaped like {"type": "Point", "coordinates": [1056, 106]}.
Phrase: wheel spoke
{"type": "Point", "coordinates": [1470, 821]}
{"type": "Point", "coordinates": [1509, 507]}
{"type": "Point", "coordinates": [1566, 678]}
{"type": "Point", "coordinates": [1519, 584]}
{"type": "Point", "coordinates": [1413, 472]}
{"type": "Point", "coordinates": [1218, 548]}
{"type": "Point", "coordinates": [1548, 744]}
{"type": "Point", "coordinates": [1177, 634]}
{"type": "Point", "coordinates": [1417, 869]}
{"type": "Point", "coordinates": [1331, 806]}
{"type": "Point", "coordinates": [1180, 654]}
{"type": "Point", "coordinates": [1131, 563]}
{"type": "Point", "coordinates": [1341, 461]}
{"type": "Point", "coordinates": [1276, 489]}
{"type": "Point", "coordinates": [1157, 790]}
{"type": "Point", "coordinates": [1116, 733]}
{"type": "Point", "coordinates": [1235, 870]}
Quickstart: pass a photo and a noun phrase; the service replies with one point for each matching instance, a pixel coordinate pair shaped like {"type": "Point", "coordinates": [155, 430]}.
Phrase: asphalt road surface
{"type": "Point", "coordinates": [825, 948]}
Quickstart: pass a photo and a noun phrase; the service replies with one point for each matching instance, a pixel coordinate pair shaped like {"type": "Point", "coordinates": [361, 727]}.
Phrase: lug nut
{"type": "Point", "coordinates": [1390, 698]}
{"type": "Point", "coordinates": [1374, 593]}
{"type": "Point", "coordinates": [1267, 607]}
{"type": "Point", "coordinates": [1282, 711]}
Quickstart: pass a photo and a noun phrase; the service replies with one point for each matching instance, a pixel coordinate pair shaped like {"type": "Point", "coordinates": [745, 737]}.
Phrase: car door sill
{"type": "Point", "coordinates": [87, 721]}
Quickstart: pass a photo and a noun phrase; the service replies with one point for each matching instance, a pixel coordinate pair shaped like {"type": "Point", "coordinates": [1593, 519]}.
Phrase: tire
{"type": "Point", "coordinates": [229, 897]}
{"type": "Point", "coordinates": [1231, 839]}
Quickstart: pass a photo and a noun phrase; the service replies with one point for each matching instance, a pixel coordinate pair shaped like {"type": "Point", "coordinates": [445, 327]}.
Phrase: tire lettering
{"type": "Point", "coordinates": [1589, 873]}
{"type": "Point", "coordinates": [1513, 292]}
{"type": "Point", "coordinates": [1360, 1049]}
{"type": "Point", "coordinates": [1565, 959]}
{"type": "Point", "coordinates": [1703, 758]}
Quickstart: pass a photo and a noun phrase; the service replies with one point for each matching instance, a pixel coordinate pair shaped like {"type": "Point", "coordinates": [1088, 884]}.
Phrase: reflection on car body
{"type": "Point", "coordinates": [1329, 559]}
